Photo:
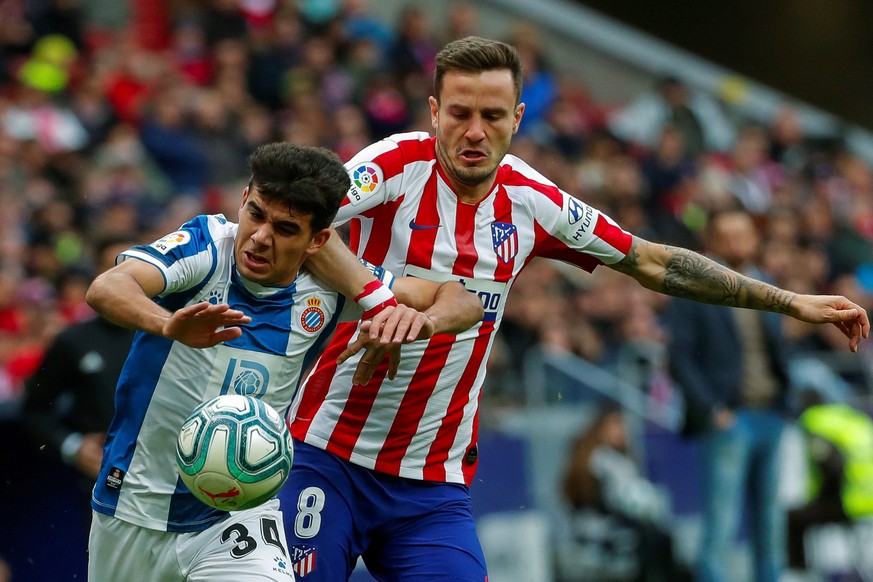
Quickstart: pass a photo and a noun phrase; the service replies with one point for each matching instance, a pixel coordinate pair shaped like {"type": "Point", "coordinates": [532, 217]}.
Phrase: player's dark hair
{"type": "Point", "coordinates": [474, 54]}
{"type": "Point", "coordinates": [309, 180]}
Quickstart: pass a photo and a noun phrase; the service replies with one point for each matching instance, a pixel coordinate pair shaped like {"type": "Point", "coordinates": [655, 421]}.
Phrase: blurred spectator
{"type": "Point", "coordinates": [361, 25]}
{"type": "Point", "coordinates": [665, 171]}
{"type": "Point", "coordinates": [223, 21]}
{"type": "Point", "coordinates": [36, 113]}
{"type": "Point", "coordinates": [217, 132]}
{"type": "Point", "coordinates": [462, 20]}
{"type": "Point", "coordinates": [697, 116]}
{"type": "Point", "coordinates": [602, 482]}
{"type": "Point", "coordinates": [132, 77]}
{"type": "Point", "coordinates": [102, 129]}
{"type": "Point", "coordinates": [351, 132]}
{"type": "Point", "coordinates": [789, 145]}
{"type": "Point", "coordinates": [412, 57]}
{"type": "Point", "coordinates": [839, 445]}
{"type": "Point", "coordinates": [191, 51]}
{"type": "Point", "coordinates": [754, 177]}
{"type": "Point", "coordinates": [573, 116]}
{"type": "Point", "coordinates": [540, 88]}
{"type": "Point", "coordinates": [385, 106]}
{"type": "Point", "coordinates": [171, 142]}
{"type": "Point", "coordinates": [69, 400]}
{"type": "Point", "coordinates": [731, 365]}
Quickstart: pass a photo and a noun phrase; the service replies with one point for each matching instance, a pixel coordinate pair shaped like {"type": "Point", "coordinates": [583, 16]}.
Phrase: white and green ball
{"type": "Point", "coordinates": [234, 452]}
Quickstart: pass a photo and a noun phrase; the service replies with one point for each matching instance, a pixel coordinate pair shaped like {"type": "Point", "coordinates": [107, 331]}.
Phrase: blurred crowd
{"type": "Point", "coordinates": [120, 121]}
{"type": "Point", "coordinates": [130, 128]}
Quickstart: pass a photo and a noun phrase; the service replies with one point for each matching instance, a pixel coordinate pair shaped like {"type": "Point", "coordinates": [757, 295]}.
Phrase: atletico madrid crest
{"type": "Point", "coordinates": [302, 559]}
{"type": "Point", "coordinates": [504, 236]}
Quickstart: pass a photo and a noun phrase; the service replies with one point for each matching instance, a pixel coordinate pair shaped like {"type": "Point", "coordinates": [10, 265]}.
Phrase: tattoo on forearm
{"type": "Point", "coordinates": [778, 300]}
{"type": "Point", "coordinates": [631, 259]}
{"type": "Point", "coordinates": [693, 276]}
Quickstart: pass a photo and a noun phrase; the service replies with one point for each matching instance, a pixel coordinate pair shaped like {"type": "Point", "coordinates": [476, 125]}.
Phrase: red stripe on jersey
{"type": "Point", "coordinates": [512, 177]}
{"type": "Point", "coordinates": [317, 386]}
{"type": "Point", "coordinates": [355, 413]}
{"type": "Point", "coordinates": [434, 467]}
{"type": "Point", "coordinates": [380, 233]}
{"type": "Point", "coordinates": [465, 229]}
{"type": "Point", "coordinates": [469, 470]}
{"type": "Point", "coordinates": [424, 227]}
{"type": "Point", "coordinates": [503, 213]}
{"type": "Point", "coordinates": [391, 162]}
{"type": "Point", "coordinates": [551, 247]}
{"type": "Point", "coordinates": [415, 399]}
{"type": "Point", "coordinates": [613, 235]}
{"type": "Point", "coordinates": [417, 149]}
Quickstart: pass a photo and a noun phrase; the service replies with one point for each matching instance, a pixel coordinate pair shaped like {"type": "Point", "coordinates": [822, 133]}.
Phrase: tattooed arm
{"type": "Point", "coordinates": [682, 273]}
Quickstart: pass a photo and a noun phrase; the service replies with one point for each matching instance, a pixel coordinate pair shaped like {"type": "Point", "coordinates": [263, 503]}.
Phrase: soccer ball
{"type": "Point", "coordinates": [234, 452]}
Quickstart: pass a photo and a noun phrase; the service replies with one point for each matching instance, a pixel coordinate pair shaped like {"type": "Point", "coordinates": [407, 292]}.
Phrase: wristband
{"type": "Point", "coordinates": [376, 297]}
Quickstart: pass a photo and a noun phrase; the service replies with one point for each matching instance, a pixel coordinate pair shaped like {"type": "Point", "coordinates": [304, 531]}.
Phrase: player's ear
{"type": "Point", "coordinates": [319, 240]}
{"type": "Point", "coordinates": [519, 113]}
{"type": "Point", "coordinates": [245, 197]}
{"type": "Point", "coordinates": [434, 112]}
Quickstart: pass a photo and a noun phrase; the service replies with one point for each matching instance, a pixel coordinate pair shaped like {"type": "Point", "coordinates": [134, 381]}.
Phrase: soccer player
{"type": "Point", "coordinates": [382, 469]}
{"type": "Point", "coordinates": [215, 303]}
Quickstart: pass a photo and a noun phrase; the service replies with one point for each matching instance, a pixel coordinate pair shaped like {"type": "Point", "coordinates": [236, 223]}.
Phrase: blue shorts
{"type": "Point", "coordinates": [404, 529]}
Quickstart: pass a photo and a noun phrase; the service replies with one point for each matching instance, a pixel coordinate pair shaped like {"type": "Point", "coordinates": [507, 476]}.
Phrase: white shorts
{"type": "Point", "coordinates": [249, 546]}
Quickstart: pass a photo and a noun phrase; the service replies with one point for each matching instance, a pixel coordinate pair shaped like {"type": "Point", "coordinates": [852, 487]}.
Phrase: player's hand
{"type": "Point", "coordinates": [400, 324]}
{"type": "Point", "coordinates": [850, 318]}
{"type": "Point", "coordinates": [373, 356]}
{"type": "Point", "coordinates": [204, 325]}
{"type": "Point", "coordinates": [384, 334]}
{"type": "Point", "coordinates": [90, 454]}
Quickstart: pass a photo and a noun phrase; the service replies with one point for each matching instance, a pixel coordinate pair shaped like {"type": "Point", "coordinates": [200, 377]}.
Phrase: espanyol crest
{"type": "Point", "coordinates": [504, 236]}
{"type": "Point", "coordinates": [312, 318]}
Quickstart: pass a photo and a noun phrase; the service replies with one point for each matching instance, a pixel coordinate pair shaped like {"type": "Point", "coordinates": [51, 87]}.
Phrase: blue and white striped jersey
{"type": "Point", "coordinates": [163, 381]}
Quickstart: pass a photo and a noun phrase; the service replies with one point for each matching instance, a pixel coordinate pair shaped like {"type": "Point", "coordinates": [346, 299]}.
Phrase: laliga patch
{"type": "Point", "coordinates": [367, 178]}
{"type": "Point", "coordinates": [312, 318]}
{"type": "Point", "coordinates": [171, 241]}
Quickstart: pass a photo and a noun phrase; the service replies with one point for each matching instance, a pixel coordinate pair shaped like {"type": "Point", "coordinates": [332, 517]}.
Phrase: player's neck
{"type": "Point", "coordinates": [467, 196]}
{"type": "Point", "coordinates": [470, 193]}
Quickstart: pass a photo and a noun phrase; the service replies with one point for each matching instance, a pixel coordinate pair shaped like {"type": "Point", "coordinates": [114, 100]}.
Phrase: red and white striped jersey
{"type": "Point", "coordinates": [405, 217]}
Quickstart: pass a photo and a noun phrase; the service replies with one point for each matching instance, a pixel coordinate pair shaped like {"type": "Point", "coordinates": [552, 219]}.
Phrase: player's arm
{"type": "Point", "coordinates": [448, 306]}
{"type": "Point", "coordinates": [683, 273]}
{"type": "Point", "coordinates": [124, 293]}
{"type": "Point", "coordinates": [426, 308]}
{"type": "Point", "coordinates": [337, 266]}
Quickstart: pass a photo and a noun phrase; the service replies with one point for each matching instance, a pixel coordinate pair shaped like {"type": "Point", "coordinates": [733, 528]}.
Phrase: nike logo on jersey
{"type": "Point", "coordinates": [415, 226]}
